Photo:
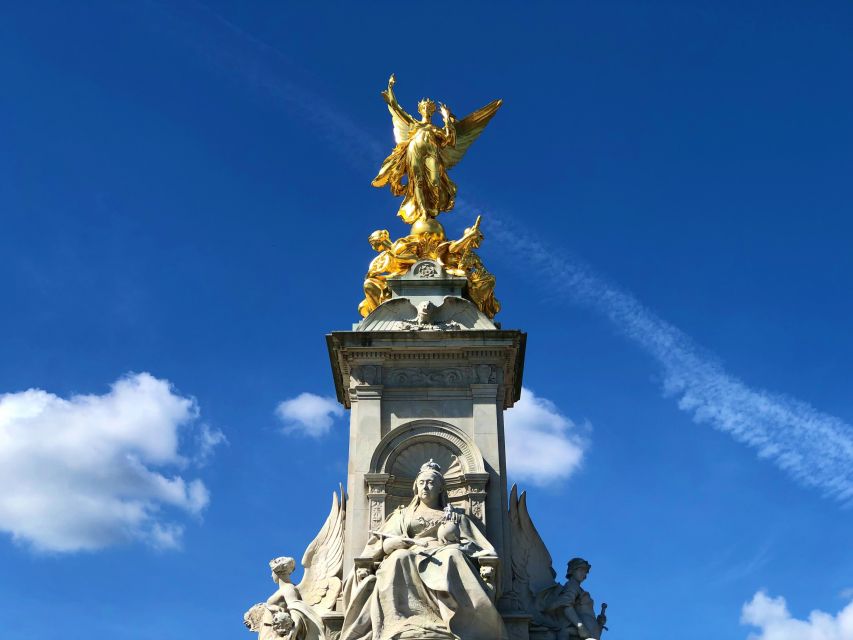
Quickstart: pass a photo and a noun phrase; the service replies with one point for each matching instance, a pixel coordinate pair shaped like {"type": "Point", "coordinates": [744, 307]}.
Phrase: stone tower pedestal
{"type": "Point", "coordinates": [426, 376]}
{"type": "Point", "coordinates": [420, 395]}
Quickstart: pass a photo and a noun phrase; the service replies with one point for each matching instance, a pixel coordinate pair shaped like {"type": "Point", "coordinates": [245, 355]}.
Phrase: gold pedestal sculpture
{"type": "Point", "coordinates": [417, 170]}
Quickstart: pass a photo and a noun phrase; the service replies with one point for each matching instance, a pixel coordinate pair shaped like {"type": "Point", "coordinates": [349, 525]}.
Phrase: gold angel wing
{"type": "Point", "coordinates": [324, 558]}
{"type": "Point", "coordinates": [467, 130]}
{"type": "Point", "coordinates": [402, 123]}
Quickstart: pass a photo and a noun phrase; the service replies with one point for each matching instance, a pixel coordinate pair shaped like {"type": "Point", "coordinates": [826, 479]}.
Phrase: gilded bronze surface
{"type": "Point", "coordinates": [457, 257]}
{"type": "Point", "coordinates": [425, 152]}
{"type": "Point", "coordinates": [417, 170]}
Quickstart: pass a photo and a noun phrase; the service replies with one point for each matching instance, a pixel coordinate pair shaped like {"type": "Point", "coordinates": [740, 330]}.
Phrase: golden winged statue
{"type": "Point", "coordinates": [417, 170]}
{"type": "Point", "coordinates": [424, 153]}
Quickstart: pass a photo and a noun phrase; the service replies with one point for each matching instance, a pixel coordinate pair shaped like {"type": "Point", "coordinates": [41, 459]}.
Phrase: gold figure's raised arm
{"type": "Point", "coordinates": [472, 237]}
{"type": "Point", "coordinates": [467, 130]}
{"type": "Point", "coordinates": [402, 121]}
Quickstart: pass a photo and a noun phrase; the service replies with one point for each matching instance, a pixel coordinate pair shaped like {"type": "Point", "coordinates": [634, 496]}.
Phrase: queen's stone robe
{"type": "Point", "coordinates": [432, 592]}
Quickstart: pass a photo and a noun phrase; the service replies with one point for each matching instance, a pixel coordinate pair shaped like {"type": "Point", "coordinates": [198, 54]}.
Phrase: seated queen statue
{"type": "Point", "coordinates": [428, 584]}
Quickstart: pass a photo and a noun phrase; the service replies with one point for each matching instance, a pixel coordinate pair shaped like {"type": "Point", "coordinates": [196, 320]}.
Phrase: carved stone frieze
{"type": "Point", "coordinates": [475, 491]}
{"type": "Point", "coordinates": [477, 509]}
{"type": "Point", "coordinates": [365, 374]}
{"type": "Point", "coordinates": [427, 376]}
{"type": "Point", "coordinates": [456, 492]}
{"type": "Point", "coordinates": [414, 325]}
{"type": "Point", "coordinates": [377, 513]}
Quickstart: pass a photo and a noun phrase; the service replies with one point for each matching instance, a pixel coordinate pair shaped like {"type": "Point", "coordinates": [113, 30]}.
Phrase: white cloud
{"type": "Point", "coordinates": [542, 444]}
{"type": "Point", "coordinates": [309, 414]}
{"type": "Point", "coordinates": [775, 622]}
{"type": "Point", "coordinates": [88, 472]}
{"type": "Point", "coordinates": [813, 447]}
{"type": "Point", "coordinates": [207, 439]}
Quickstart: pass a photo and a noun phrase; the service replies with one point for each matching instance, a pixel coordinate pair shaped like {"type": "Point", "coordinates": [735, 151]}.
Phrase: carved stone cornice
{"type": "Point", "coordinates": [445, 359]}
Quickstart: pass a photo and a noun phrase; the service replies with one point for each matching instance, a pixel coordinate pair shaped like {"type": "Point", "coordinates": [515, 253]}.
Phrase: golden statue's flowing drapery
{"type": "Point", "coordinates": [424, 153]}
{"type": "Point", "coordinates": [428, 190]}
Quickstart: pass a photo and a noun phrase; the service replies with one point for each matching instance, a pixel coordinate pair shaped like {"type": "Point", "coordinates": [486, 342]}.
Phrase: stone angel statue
{"type": "Point", "coordinates": [323, 560]}
{"type": "Point", "coordinates": [566, 609]}
{"type": "Point", "coordinates": [294, 612]}
{"type": "Point", "coordinates": [284, 614]}
{"type": "Point", "coordinates": [424, 153]}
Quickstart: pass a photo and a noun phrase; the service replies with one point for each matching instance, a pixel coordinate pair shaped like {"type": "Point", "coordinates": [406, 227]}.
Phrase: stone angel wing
{"type": "Point", "coordinates": [467, 130]}
{"type": "Point", "coordinates": [532, 573]}
{"type": "Point", "coordinates": [324, 558]}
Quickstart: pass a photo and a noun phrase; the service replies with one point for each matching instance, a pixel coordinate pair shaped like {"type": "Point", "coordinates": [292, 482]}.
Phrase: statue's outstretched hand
{"type": "Point", "coordinates": [388, 95]}
{"type": "Point", "coordinates": [392, 543]}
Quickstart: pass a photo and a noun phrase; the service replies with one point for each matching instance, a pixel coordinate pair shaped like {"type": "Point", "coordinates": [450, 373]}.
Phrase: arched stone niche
{"type": "Point", "coordinates": [399, 457]}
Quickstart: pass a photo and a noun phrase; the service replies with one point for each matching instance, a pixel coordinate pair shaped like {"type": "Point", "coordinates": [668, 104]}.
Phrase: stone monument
{"type": "Point", "coordinates": [425, 543]}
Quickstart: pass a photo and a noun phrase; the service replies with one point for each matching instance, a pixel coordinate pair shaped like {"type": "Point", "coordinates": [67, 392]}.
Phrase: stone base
{"type": "Point", "coordinates": [542, 633]}
{"type": "Point", "coordinates": [517, 625]}
{"type": "Point", "coordinates": [421, 635]}
{"type": "Point", "coordinates": [332, 623]}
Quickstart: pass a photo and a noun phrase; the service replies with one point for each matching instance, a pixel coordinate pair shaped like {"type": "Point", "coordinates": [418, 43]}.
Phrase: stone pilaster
{"type": "Point", "coordinates": [376, 494]}
{"type": "Point", "coordinates": [365, 434]}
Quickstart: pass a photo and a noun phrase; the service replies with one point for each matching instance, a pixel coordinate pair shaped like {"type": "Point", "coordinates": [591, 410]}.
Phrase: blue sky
{"type": "Point", "coordinates": [185, 200]}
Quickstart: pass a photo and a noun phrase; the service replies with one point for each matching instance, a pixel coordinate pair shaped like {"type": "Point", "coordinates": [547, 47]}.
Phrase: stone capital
{"type": "Point", "coordinates": [366, 392]}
